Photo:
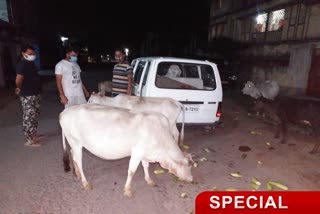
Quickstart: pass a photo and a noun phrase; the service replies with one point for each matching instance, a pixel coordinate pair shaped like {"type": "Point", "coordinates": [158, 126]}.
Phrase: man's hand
{"type": "Point", "coordinates": [63, 99]}
{"type": "Point", "coordinates": [87, 94]}
{"type": "Point", "coordinates": [19, 82]}
{"type": "Point", "coordinates": [17, 91]}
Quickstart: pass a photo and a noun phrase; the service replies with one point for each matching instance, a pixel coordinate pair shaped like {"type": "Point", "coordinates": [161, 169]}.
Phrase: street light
{"type": "Point", "coordinates": [127, 51]}
{"type": "Point", "coordinates": [64, 38]}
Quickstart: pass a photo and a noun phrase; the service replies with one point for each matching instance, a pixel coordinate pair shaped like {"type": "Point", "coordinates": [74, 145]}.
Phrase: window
{"type": "Point", "coordinates": [146, 74]}
{"type": "Point", "coordinates": [276, 20]}
{"type": "Point", "coordinates": [4, 11]}
{"type": "Point", "coordinates": [261, 22]}
{"type": "Point", "coordinates": [177, 75]}
{"type": "Point", "coordinates": [218, 4]}
{"type": "Point", "coordinates": [213, 32]}
{"type": "Point", "coordinates": [246, 29]}
{"type": "Point", "coordinates": [138, 72]}
{"type": "Point", "coordinates": [297, 16]}
{"type": "Point", "coordinates": [217, 30]}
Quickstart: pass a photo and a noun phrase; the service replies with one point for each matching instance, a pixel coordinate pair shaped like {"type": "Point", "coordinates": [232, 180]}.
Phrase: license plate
{"type": "Point", "coordinates": [192, 108]}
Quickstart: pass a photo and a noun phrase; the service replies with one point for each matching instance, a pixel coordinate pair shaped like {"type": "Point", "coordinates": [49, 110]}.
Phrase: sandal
{"type": "Point", "coordinates": [32, 143]}
{"type": "Point", "coordinates": [39, 137]}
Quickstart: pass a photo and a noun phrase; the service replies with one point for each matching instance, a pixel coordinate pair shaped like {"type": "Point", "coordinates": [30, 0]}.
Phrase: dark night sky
{"type": "Point", "coordinates": [116, 21]}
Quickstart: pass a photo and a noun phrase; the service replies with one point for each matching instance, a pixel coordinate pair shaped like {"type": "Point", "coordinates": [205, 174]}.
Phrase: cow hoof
{"type": "Point", "coordinates": [151, 183]}
{"type": "Point", "coordinates": [76, 174]}
{"type": "Point", "coordinates": [87, 186]}
{"type": "Point", "coordinates": [128, 193]}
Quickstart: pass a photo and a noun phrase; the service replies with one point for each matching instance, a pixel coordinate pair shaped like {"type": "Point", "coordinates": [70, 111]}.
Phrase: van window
{"type": "Point", "coordinates": [138, 72]}
{"type": "Point", "coordinates": [146, 74]}
{"type": "Point", "coordinates": [177, 75]}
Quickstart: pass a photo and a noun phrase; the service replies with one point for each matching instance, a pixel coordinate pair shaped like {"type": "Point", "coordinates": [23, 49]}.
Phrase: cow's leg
{"type": "Point", "coordinates": [75, 167]}
{"type": "Point", "coordinates": [175, 133]}
{"type": "Point", "coordinates": [284, 132]}
{"type": "Point", "coordinates": [77, 158]}
{"type": "Point", "coordinates": [283, 124]}
{"type": "Point", "coordinates": [133, 165]}
{"type": "Point", "coordinates": [145, 165]}
{"type": "Point", "coordinates": [316, 131]}
{"type": "Point", "coordinates": [316, 148]}
{"type": "Point", "coordinates": [277, 135]}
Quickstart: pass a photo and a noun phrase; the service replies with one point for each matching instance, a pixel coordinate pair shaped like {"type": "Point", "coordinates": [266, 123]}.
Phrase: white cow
{"type": "Point", "coordinates": [105, 86]}
{"type": "Point", "coordinates": [166, 106]}
{"type": "Point", "coordinates": [268, 89]}
{"type": "Point", "coordinates": [113, 133]}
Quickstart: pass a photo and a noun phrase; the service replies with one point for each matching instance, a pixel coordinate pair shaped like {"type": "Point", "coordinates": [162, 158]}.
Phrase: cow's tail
{"type": "Point", "coordinates": [66, 161]}
{"type": "Point", "coordinates": [181, 135]}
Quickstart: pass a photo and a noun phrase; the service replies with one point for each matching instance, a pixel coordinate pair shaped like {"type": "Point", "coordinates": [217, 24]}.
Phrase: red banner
{"type": "Point", "coordinates": [258, 202]}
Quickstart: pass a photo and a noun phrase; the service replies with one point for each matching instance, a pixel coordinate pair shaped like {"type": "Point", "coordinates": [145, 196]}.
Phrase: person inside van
{"type": "Point", "coordinates": [174, 71]}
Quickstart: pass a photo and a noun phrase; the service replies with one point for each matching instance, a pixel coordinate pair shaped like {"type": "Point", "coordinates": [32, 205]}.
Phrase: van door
{"type": "Point", "coordinates": [144, 80]}
{"type": "Point", "coordinates": [139, 68]}
{"type": "Point", "coordinates": [196, 85]}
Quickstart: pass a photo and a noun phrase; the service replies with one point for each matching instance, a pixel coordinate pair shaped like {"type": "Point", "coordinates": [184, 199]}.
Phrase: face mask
{"type": "Point", "coordinates": [73, 59]}
{"type": "Point", "coordinates": [30, 57]}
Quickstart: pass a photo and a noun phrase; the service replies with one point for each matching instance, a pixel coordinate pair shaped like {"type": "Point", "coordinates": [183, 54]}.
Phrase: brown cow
{"type": "Point", "coordinates": [286, 110]}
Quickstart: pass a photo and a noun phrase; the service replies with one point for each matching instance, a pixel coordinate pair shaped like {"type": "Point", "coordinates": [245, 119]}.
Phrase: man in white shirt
{"type": "Point", "coordinates": [69, 84]}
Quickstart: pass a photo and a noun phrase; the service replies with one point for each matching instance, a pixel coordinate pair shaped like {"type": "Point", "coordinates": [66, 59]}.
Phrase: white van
{"type": "Point", "coordinates": [194, 83]}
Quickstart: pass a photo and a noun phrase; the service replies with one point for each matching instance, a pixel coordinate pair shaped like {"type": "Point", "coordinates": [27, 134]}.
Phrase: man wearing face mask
{"type": "Point", "coordinates": [69, 84]}
{"type": "Point", "coordinates": [28, 87]}
{"type": "Point", "coordinates": [122, 75]}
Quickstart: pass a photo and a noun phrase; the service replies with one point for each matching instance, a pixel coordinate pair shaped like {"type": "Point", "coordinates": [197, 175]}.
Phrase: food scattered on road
{"type": "Point", "coordinates": [256, 133]}
{"type": "Point", "coordinates": [203, 159]}
{"type": "Point", "coordinates": [243, 156]}
{"type": "Point", "coordinates": [236, 175]}
{"type": "Point", "coordinates": [158, 171]}
{"type": "Point", "coordinates": [207, 150]}
{"type": "Point", "coordinates": [231, 189]}
{"type": "Point", "coordinates": [278, 185]}
{"type": "Point", "coordinates": [185, 147]}
{"type": "Point", "coordinates": [183, 195]}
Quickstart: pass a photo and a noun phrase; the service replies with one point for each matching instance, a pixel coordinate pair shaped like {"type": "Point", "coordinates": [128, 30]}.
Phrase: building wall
{"type": "Point", "coordinates": [19, 30]}
{"type": "Point", "coordinates": [285, 54]}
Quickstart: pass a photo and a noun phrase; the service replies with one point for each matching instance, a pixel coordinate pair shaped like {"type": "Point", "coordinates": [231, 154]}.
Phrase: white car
{"type": "Point", "coordinates": [195, 83]}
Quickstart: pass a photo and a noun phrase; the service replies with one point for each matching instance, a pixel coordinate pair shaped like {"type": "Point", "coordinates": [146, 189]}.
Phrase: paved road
{"type": "Point", "coordinates": [32, 180]}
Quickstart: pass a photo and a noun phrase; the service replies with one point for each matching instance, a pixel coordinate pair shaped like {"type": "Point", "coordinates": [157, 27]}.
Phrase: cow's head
{"type": "Point", "coordinates": [180, 168]}
{"type": "Point", "coordinates": [251, 90]}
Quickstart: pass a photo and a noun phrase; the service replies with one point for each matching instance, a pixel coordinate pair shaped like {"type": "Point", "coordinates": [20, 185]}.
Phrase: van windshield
{"type": "Point", "coordinates": [177, 75]}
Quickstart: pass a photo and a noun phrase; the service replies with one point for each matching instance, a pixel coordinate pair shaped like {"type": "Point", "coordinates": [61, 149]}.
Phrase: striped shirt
{"type": "Point", "coordinates": [120, 78]}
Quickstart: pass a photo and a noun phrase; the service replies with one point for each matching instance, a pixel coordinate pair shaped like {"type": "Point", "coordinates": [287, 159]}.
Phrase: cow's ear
{"type": "Point", "coordinates": [188, 157]}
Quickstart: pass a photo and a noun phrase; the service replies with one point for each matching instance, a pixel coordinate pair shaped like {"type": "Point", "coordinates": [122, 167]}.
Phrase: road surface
{"type": "Point", "coordinates": [32, 180]}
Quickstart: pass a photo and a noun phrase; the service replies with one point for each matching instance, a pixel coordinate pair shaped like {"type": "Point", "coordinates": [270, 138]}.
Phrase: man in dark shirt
{"type": "Point", "coordinates": [28, 87]}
